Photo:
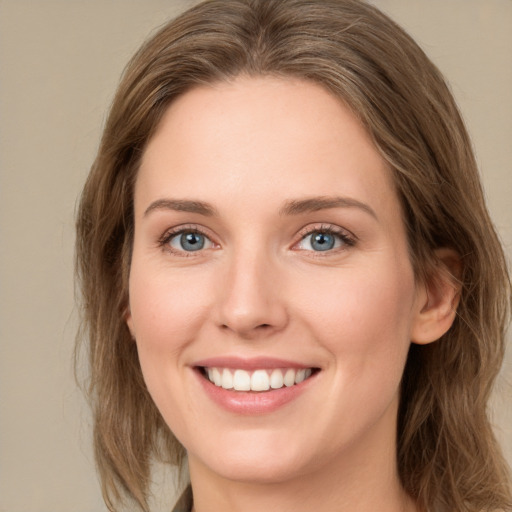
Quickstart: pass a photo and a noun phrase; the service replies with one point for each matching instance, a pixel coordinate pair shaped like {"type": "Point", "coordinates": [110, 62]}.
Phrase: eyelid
{"type": "Point", "coordinates": [347, 237]}
{"type": "Point", "coordinates": [169, 234]}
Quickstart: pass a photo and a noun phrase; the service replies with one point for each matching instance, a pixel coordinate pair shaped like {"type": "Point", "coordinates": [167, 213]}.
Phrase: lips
{"type": "Point", "coordinates": [253, 386]}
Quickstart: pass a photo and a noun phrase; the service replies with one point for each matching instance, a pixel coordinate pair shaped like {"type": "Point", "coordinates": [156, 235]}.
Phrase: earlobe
{"type": "Point", "coordinates": [438, 299]}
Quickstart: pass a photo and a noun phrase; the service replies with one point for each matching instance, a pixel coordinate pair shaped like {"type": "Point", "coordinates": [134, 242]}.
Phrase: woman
{"type": "Point", "coordinates": [284, 253]}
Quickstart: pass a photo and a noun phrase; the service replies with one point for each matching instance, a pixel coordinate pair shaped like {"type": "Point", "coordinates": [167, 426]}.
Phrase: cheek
{"type": "Point", "coordinates": [167, 308]}
{"type": "Point", "coordinates": [167, 311]}
{"type": "Point", "coordinates": [364, 319]}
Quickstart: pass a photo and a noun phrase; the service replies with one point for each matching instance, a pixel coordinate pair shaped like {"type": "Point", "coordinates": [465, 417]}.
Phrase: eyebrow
{"type": "Point", "coordinates": [292, 207]}
{"type": "Point", "coordinates": [182, 205]}
{"type": "Point", "coordinates": [313, 204]}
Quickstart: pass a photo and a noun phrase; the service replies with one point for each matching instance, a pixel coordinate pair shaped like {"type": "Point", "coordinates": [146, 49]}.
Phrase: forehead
{"type": "Point", "coordinates": [262, 137]}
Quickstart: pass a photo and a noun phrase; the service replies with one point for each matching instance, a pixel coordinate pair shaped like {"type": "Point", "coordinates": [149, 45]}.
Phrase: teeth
{"type": "Point", "coordinates": [259, 380]}
{"type": "Point", "coordinates": [276, 379]}
{"type": "Point", "coordinates": [289, 378]}
{"type": "Point", "coordinates": [241, 380]}
{"type": "Point", "coordinates": [300, 376]}
{"type": "Point", "coordinates": [217, 378]}
{"type": "Point", "coordinates": [227, 379]}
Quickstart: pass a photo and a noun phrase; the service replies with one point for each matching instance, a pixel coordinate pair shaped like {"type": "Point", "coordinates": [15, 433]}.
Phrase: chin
{"type": "Point", "coordinates": [259, 462]}
{"type": "Point", "coordinates": [262, 472]}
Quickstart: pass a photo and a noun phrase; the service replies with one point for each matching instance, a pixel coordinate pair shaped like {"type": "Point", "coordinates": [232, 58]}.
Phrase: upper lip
{"type": "Point", "coordinates": [253, 363]}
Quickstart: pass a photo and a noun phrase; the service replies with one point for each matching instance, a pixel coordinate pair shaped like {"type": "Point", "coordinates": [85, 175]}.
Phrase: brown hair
{"type": "Point", "coordinates": [448, 458]}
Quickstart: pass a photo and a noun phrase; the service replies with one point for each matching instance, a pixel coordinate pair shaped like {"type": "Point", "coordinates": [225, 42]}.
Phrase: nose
{"type": "Point", "coordinates": [252, 302]}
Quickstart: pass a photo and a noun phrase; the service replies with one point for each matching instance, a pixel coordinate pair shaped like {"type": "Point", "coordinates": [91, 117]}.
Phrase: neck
{"type": "Point", "coordinates": [301, 495]}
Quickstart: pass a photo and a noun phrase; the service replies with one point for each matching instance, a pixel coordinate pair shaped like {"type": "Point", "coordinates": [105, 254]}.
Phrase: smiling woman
{"type": "Point", "coordinates": [281, 282]}
{"type": "Point", "coordinates": [283, 251]}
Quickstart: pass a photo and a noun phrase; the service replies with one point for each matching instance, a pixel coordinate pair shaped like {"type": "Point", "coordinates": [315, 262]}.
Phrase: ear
{"type": "Point", "coordinates": [129, 320]}
{"type": "Point", "coordinates": [438, 298]}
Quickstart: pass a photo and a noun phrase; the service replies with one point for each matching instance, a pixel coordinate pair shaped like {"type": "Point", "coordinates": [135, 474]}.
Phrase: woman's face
{"type": "Point", "coordinates": [270, 255]}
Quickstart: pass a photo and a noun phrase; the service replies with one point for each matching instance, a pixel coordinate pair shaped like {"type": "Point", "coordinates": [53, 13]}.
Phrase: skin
{"type": "Point", "coordinates": [248, 148]}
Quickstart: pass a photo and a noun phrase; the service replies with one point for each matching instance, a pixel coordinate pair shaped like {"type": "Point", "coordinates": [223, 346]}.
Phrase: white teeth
{"type": "Point", "coordinates": [241, 380]}
{"type": "Point", "coordinates": [258, 380]}
{"type": "Point", "coordinates": [289, 378]}
{"type": "Point", "coordinates": [227, 379]}
{"type": "Point", "coordinates": [300, 376]}
{"type": "Point", "coordinates": [217, 378]}
{"type": "Point", "coordinates": [276, 379]}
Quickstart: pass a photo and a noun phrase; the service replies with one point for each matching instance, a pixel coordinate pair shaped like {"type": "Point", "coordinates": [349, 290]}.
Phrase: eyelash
{"type": "Point", "coordinates": [347, 239]}
{"type": "Point", "coordinates": [164, 241]}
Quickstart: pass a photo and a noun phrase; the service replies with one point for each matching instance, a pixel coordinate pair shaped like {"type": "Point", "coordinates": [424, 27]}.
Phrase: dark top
{"type": "Point", "coordinates": [184, 504]}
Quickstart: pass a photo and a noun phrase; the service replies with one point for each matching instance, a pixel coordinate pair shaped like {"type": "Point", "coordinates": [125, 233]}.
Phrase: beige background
{"type": "Point", "coordinates": [60, 61]}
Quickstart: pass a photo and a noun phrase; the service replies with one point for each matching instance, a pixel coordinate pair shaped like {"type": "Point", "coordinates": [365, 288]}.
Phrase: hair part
{"type": "Point", "coordinates": [448, 457]}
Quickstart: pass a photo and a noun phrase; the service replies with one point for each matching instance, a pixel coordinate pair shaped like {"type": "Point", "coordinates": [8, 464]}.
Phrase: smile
{"type": "Point", "coordinates": [258, 380]}
{"type": "Point", "coordinates": [254, 386]}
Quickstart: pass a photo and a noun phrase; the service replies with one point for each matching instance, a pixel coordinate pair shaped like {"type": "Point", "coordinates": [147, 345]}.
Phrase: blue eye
{"type": "Point", "coordinates": [189, 241]}
{"type": "Point", "coordinates": [321, 241]}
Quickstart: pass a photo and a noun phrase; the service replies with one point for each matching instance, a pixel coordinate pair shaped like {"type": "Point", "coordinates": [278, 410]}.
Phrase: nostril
{"type": "Point", "coordinates": [264, 327]}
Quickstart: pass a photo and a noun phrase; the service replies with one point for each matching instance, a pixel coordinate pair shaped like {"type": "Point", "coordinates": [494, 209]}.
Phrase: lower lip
{"type": "Point", "coordinates": [250, 402]}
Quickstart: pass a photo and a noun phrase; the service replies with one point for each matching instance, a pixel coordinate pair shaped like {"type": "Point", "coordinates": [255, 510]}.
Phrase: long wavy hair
{"type": "Point", "coordinates": [448, 458]}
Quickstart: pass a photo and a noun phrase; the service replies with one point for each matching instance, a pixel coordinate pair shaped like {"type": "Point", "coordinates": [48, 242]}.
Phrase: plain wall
{"type": "Point", "coordinates": [60, 61]}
